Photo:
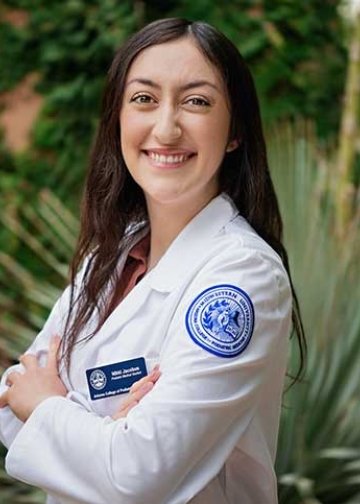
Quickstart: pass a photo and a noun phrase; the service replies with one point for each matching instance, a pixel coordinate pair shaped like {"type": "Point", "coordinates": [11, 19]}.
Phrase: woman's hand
{"type": "Point", "coordinates": [137, 391]}
{"type": "Point", "coordinates": [27, 390]}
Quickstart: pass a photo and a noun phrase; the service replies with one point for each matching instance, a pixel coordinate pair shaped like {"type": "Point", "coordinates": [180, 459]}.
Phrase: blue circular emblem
{"type": "Point", "coordinates": [221, 320]}
{"type": "Point", "coordinates": [98, 379]}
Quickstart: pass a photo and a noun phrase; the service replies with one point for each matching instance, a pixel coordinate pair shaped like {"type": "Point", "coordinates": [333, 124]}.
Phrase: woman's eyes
{"type": "Point", "coordinates": [146, 99]}
{"type": "Point", "coordinates": [142, 99]}
{"type": "Point", "coordinates": [198, 101]}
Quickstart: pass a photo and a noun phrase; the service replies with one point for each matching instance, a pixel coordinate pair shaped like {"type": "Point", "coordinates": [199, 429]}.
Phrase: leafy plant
{"type": "Point", "coordinates": [70, 46]}
{"type": "Point", "coordinates": [318, 454]}
{"type": "Point", "coordinates": [48, 231]}
{"type": "Point", "coordinates": [295, 50]}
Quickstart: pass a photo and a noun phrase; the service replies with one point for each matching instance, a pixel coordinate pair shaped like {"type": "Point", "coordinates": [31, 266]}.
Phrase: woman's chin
{"type": "Point", "coordinates": [165, 197]}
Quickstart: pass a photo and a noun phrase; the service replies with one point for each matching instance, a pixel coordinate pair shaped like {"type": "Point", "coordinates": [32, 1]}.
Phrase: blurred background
{"type": "Point", "coordinates": [305, 57]}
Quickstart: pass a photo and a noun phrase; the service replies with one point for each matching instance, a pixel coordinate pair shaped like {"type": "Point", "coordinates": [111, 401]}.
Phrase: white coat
{"type": "Point", "coordinates": [207, 432]}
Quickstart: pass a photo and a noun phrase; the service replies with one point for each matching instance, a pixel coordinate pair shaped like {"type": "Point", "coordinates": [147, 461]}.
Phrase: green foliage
{"type": "Point", "coordinates": [318, 452]}
{"type": "Point", "coordinates": [13, 42]}
{"type": "Point", "coordinates": [47, 232]}
{"type": "Point", "coordinates": [70, 45]}
{"type": "Point", "coordinates": [294, 49]}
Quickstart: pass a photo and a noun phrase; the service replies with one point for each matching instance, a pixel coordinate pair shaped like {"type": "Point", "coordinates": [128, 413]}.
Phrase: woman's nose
{"type": "Point", "coordinates": [167, 129]}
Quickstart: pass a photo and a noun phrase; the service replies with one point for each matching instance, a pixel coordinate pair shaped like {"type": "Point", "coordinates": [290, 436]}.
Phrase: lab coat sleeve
{"type": "Point", "coordinates": [200, 399]}
{"type": "Point", "coordinates": [10, 425]}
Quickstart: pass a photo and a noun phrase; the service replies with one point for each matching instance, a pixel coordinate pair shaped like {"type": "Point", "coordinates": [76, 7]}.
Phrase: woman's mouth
{"type": "Point", "coordinates": [173, 160]}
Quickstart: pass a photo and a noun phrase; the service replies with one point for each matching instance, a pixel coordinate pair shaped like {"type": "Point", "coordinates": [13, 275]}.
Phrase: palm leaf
{"type": "Point", "coordinates": [319, 416]}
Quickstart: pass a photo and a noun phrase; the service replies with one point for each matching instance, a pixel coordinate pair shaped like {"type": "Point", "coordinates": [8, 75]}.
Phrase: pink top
{"type": "Point", "coordinates": [134, 269]}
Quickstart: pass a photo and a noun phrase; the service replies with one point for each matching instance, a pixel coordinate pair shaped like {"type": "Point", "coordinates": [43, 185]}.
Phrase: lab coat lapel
{"type": "Point", "coordinates": [190, 246]}
{"type": "Point", "coordinates": [184, 252]}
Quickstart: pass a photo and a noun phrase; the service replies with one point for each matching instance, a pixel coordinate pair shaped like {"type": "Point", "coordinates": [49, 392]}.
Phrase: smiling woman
{"type": "Point", "coordinates": [175, 128]}
{"type": "Point", "coordinates": [164, 383]}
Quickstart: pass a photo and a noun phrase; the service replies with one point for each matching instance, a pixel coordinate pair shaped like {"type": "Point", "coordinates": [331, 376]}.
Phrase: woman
{"type": "Point", "coordinates": [183, 266]}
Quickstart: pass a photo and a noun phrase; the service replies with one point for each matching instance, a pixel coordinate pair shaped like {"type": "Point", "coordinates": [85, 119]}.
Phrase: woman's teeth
{"type": "Point", "coordinates": [160, 158]}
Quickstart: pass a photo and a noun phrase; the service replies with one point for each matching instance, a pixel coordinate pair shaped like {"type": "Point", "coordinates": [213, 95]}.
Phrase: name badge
{"type": "Point", "coordinates": [115, 379]}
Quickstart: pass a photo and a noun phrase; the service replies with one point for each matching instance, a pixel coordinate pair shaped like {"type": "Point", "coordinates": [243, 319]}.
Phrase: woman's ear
{"type": "Point", "coordinates": [234, 144]}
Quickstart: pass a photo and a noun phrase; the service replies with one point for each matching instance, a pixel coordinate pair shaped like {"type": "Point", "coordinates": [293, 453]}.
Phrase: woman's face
{"type": "Point", "coordinates": [174, 123]}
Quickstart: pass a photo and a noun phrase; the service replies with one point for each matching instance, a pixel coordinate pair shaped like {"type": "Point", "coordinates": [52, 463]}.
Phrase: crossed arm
{"type": "Point", "coordinates": [202, 403]}
{"type": "Point", "coordinates": [28, 389]}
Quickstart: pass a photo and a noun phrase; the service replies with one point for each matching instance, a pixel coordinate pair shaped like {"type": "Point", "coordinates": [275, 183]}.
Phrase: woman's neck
{"type": "Point", "coordinates": [166, 222]}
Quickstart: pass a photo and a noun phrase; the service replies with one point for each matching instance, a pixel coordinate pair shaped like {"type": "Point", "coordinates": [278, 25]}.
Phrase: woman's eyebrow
{"type": "Point", "coordinates": [185, 87]}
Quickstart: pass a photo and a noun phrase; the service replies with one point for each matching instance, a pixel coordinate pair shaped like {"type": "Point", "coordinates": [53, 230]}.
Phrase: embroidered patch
{"type": "Point", "coordinates": [221, 320]}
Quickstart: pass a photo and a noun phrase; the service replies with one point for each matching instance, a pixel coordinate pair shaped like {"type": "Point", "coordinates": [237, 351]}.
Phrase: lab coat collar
{"type": "Point", "coordinates": [191, 243]}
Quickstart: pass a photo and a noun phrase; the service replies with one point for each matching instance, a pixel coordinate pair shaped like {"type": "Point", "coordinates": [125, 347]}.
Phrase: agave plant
{"type": "Point", "coordinates": [48, 230]}
{"type": "Point", "coordinates": [319, 446]}
{"type": "Point", "coordinates": [318, 456]}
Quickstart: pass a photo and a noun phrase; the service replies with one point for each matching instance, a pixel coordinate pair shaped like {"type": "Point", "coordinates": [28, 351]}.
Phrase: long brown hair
{"type": "Point", "coordinates": [112, 200]}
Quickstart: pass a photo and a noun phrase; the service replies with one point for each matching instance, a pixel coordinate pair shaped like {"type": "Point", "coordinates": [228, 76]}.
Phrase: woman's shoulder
{"type": "Point", "coordinates": [239, 239]}
{"type": "Point", "coordinates": [243, 261]}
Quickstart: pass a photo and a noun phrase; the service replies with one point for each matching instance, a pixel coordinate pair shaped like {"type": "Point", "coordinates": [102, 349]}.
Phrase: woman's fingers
{"type": "Point", "coordinates": [133, 399]}
{"type": "Point", "coordinates": [52, 362]}
{"type": "Point", "coordinates": [123, 412]}
{"type": "Point", "coordinates": [4, 400]}
{"type": "Point", "coordinates": [151, 377]}
{"type": "Point", "coordinates": [138, 394]}
{"type": "Point", "coordinates": [137, 391]}
{"type": "Point", "coordinates": [12, 378]}
{"type": "Point", "coordinates": [29, 361]}
{"type": "Point", "coordinates": [142, 391]}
